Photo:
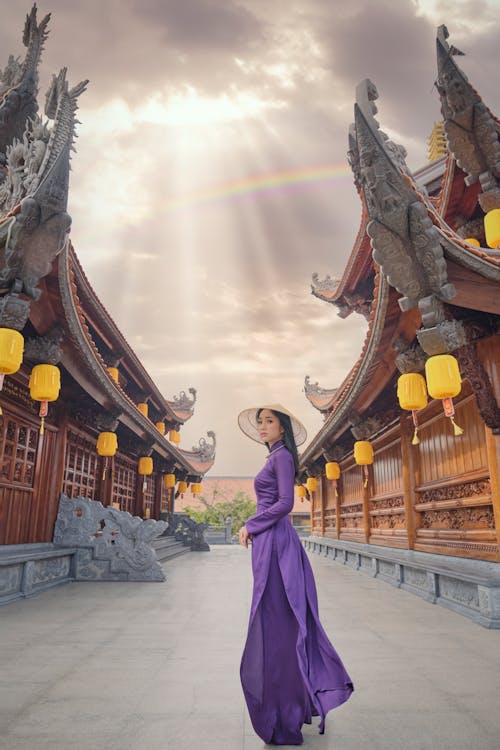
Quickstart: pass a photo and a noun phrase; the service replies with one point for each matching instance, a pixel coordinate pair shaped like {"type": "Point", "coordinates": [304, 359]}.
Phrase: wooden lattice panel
{"type": "Point", "coordinates": [81, 466]}
{"type": "Point", "coordinates": [125, 479]}
{"type": "Point", "coordinates": [18, 452]}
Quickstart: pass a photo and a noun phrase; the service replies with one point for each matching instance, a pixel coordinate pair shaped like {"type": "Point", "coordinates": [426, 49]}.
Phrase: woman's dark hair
{"type": "Point", "coordinates": [288, 437]}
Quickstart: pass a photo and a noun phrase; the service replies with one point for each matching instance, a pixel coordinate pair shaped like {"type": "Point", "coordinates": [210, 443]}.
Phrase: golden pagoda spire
{"type": "Point", "coordinates": [437, 142]}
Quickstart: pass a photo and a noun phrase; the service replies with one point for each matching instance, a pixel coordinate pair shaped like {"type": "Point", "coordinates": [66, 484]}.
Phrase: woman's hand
{"type": "Point", "coordinates": [244, 536]}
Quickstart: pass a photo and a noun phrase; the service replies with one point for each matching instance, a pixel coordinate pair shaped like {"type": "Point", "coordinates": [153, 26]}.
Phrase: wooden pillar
{"type": "Point", "coordinates": [338, 485]}
{"type": "Point", "coordinates": [139, 497]}
{"type": "Point", "coordinates": [104, 485]}
{"type": "Point", "coordinates": [157, 497]}
{"type": "Point", "coordinates": [493, 448]}
{"type": "Point", "coordinates": [322, 483]}
{"type": "Point", "coordinates": [408, 465]}
{"type": "Point", "coordinates": [367, 491]}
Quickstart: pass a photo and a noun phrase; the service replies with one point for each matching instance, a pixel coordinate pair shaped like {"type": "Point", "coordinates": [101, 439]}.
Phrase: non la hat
{"type": "Point", "coordinates": [247, 421]}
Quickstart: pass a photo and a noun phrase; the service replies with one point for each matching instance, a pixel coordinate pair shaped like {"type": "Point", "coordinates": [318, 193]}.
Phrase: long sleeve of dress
{"type": "Point", "coordinates": [284, 470]}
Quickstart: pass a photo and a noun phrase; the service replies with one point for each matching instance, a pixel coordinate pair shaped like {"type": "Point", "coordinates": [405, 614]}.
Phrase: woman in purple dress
{"type": "Point", "coordinates": [289, 669]}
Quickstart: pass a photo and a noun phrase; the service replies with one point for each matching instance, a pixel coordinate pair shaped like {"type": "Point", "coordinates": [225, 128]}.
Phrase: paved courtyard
{"type": "Point", "coordinates": [115, 666]}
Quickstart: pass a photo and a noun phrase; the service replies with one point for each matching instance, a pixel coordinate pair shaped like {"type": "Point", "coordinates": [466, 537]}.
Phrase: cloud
{"type": "Point", "coordinates": [185, 217]}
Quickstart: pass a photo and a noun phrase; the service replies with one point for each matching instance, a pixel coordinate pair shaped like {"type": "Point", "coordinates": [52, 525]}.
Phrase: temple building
{"type": "Point", "coordinates": [413, 492]}
{"type": "Point", "coordinates": [80, 414]}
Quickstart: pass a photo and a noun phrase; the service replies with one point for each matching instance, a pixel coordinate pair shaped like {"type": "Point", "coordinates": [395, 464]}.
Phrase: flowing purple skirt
{"type": "Point", "coordinates": [289, 669]}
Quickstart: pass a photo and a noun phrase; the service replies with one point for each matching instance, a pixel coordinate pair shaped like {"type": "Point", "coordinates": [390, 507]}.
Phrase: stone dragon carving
{"type": "Point", "coordinates": [182, 402]}
{"type": "Point", "coordinates": [405, 242]}
{"type": "Point", "coordinates": [34, 194]}
{"type": "Point", "coordinates": [204, 450]}
{"type": "Point", "coordinates": [19, 84]}
{"type": "Point", "coordinates": [118, 545]}
{"type": "Point", "coordinates": [471, 130]}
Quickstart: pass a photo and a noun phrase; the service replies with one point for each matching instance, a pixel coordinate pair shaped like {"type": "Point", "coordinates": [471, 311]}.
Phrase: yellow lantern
{"type": "Point", "coordinates": [160, 426]}
{"type": "Point", "coordinates": [311, 484]}
{"type": "Point", "coordinates": [45, 384]}
{"type": "Point", "coordinates": [11, 353]}
{"type": "Point", "coordinates": [174, 436]}
{"type": "Point", "coordinates": [363, 455]}
{"type": "Point", "coordinates": [145, 469]}
{"type": "Point", "coordinates": [412, 396]}
{"type": "Point", "coordinates": [492, 228]}
{"type": "Point", "coordinates": [301, 491]}
{"type": "Point", "coordinates": [107, 445]}
{"type": "Point", "coordinates": [444, 382]}
{"type": "Point", "coordinates": [182, 488]}
{"type": "Point", "coordinates": [143, 408]}
{"type": "Point", "coordinates": [115, 375]}
{"type": "Point", "coordinates": [169, 481]}
{"type": "Point", "coordinates": [196, 488]}
{"type": "Point", "coordinates": [473, 241]}
{"type": "Point", "coordinates": [332, 470]}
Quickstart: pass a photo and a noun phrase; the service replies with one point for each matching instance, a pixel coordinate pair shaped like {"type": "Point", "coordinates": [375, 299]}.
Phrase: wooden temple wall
{"type": "Point", "coordinates": [440, 496]}
{"type": "Point", "coordinates": [35, 470]}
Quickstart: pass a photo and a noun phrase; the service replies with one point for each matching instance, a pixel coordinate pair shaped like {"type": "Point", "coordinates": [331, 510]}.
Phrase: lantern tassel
{"type": "Point", "coordinates": [336, 493]}
{"type": "Point", "coordinates": [2, 376]}
{"type": "Point", "coordinates": [365, 472]}
{"type": "Point", "coordinates": [104, 469]}
{"type": "Point", "coordinates": [416, 439]}
{"type": "Point", "coordinates": [456, 429]}
{"type": "Point", "coordinates": [42, 426]}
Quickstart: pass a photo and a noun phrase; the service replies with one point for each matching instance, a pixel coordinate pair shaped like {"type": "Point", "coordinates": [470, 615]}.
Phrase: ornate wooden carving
{"type": "Point", "coordinates": [473, 370]}
{"type": "Point", "coordinates": [459, 518]}
{"type": "Point", "coordinates": [455, 491]}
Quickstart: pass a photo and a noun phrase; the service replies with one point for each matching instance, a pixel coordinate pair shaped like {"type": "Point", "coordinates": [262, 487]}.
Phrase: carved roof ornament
{"type": "Point", "coordinates": [328, 284]}
{"type": "Point", "coordinates": [470, 128]}
{"type": "Point", "coordinates": [45, 348]}
{"type": "Point", "coordinates": [34, 194]}
{"type": "Point", "coordinates": [205, 451]}
{"type": "Point", "coordinates": [19, 82]}
{"type": "Point", "coordinates": [182, 402]}
{"type": "Point", "coordinates": [405, 242]}
{"type": "Point", "coordinates": [320, 398]}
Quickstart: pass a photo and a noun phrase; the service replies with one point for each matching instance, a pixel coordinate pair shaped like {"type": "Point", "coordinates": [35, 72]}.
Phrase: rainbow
{"type": "Point", "coordinates": [249, 186]}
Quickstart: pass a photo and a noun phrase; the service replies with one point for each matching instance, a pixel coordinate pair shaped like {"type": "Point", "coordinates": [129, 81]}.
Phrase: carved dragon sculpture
{"type": "Point", "coordinates": [33, 200]}
{"type": "Point", "coordinates": [471, 130]}
{"type": "Point", "coordinates": [19, 84]}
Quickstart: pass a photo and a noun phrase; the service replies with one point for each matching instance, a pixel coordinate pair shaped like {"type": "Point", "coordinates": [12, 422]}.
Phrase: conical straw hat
{"type": "Point", "coordinates": [247, 421]}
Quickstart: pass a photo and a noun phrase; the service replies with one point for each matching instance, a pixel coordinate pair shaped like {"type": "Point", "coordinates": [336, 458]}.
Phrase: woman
{"type": "Point", "coordinates": [289, 669]}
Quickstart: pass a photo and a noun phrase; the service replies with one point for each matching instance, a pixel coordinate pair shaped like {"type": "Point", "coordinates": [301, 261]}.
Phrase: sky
{"type": "Point", "coordinates": [211, 181]}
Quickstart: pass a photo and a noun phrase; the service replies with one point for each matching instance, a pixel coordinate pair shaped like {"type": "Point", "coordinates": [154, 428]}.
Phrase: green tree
{"type": "Point", "coordinates": [240, 508]}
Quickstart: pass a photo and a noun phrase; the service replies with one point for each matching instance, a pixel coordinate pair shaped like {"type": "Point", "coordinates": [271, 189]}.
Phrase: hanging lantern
{"type": "Point", "coordinates": [145, 469]}
{"type": "Point", "coordinates": [160, 426]}
{"type": "Point", "coordinates": [174, 436]}
{"type": "Point", "coordinates": [11, 353]}
{"type": "Point", "coordinates": [363, 455]}
{"type": "Point", "coordinates": [412, 396]}
{"type": "Point", "coordinates": [301, 492]}
{"type": "Point", "coordinates": [107, 445]}
{"type": "Point", "coordinates": [332, 470]}
{"type": "Point", "coordinates": [143, 408]}
{"type": "Point", "coordinates": [196, 488]}
{"type": "Point", "coordinates": [182, 488]}
{"type": "Point", "coordinates": [444, 382]}
{"type": "Point", "coordinates": [473, 241]}
{"type": "Point", "coordinates": [45, 384]}
{"type": "Point", "coordinates": [169, 481]}
{"type": "Point", "coordinates": [492, 228]}
{"type": "Point", "coordinates": [113, 371]}
{"type": "Point", "coordinates": [311, 484]}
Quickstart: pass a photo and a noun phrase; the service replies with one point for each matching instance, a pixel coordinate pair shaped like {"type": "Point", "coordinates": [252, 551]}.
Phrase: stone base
{"type": "Point", "coordinates": [27, 569]}
{"type": "Point", "coordinates": [469, 587]}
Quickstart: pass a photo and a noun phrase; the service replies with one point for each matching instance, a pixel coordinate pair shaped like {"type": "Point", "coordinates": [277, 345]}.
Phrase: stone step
{"type": "Point", "coordinates": [167, 548]}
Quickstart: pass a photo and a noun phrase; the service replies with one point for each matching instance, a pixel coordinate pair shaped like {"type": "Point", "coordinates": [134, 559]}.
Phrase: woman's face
{"type": "Point", "coordinates": [269, 426]}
